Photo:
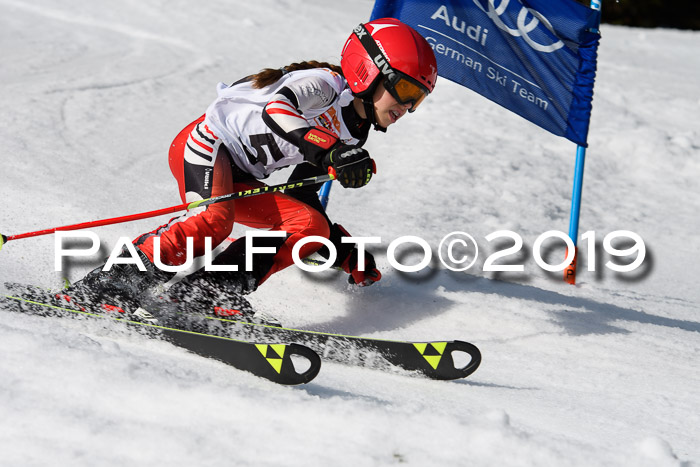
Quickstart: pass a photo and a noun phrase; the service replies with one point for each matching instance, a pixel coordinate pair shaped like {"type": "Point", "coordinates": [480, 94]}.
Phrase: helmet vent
{"type": "Point", "coordinates": [362, 72]}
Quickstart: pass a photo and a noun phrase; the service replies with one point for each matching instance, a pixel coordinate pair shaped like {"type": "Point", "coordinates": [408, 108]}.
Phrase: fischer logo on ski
{"type": "Point", "coordinates": [273, 353]}
{"type": "Point", "coordinates": [431, 351]}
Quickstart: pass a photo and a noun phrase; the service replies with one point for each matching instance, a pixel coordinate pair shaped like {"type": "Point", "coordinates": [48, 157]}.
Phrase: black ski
{"type": "Point", "coordinates": [272, 361]}
{"type": "Point", "coordinates": [437, 360]}
{"type": "Point", "coordinates": [441, 360]}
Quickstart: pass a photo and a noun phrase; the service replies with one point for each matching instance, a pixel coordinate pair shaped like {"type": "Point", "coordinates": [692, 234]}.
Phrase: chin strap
{"type": "Point", "coordinates": [368, 102]}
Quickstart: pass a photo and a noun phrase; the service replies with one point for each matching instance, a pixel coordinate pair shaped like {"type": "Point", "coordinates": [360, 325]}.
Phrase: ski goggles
{"type": "Point", "coordinates": [405, 90]}
{"type": "Point", "coordinates": [402, 87]}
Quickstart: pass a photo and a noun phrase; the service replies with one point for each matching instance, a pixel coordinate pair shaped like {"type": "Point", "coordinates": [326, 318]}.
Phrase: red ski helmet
{"type": "Point", "coordinates": [390, 49]}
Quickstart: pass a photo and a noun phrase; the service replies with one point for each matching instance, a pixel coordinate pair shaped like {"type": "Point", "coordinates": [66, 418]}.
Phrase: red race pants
{"type": "Point", "coordinates": [203, 169]}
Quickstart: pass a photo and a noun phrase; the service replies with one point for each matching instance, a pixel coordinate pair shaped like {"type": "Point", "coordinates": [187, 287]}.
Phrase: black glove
{"type": "Point", "coordinates": [362, 278]}
{"type": "Point", "coordinates": [353, 166]}
{"type": "Point", "coordinates": [347, 258]}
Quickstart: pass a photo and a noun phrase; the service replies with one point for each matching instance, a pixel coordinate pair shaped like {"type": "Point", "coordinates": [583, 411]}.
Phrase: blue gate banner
{"type": "Point", "coordinates": [536, 58]}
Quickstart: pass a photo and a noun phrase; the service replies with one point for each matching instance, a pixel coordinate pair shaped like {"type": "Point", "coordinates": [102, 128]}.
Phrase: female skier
{"type": "Point", "coordinates": [312, 115]}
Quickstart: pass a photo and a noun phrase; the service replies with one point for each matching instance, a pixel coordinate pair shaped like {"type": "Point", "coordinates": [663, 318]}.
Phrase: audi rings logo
{"type": "Point", "coordinates": [527, 21]}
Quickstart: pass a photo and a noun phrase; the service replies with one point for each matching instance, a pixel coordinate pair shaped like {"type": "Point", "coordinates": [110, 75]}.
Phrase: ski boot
{"type": "Point", "coordinates": [219, 294]}
{"type": "Point", "coordinates": [118, 290]}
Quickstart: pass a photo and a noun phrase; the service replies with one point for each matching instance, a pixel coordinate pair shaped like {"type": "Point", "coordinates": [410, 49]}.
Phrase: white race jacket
{"type": "Point", "coordinates": [236, 116]}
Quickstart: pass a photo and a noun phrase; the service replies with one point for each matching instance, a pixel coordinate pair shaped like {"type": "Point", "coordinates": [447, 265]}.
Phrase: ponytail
{"type": "Point", "coordinates": [270, 76]}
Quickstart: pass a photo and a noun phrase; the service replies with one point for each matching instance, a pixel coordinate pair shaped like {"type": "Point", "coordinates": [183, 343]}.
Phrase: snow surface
{"type": "Point", "coordinates": [601, 373]}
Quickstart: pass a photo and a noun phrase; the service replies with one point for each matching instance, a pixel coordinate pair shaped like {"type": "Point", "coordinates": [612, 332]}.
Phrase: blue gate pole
{"type": "Point", "coordinates": [324, 194]}
{"type": "Point", "coordinates": [576, 194]}
{"type": "Point", "coordinates": [570, 271]}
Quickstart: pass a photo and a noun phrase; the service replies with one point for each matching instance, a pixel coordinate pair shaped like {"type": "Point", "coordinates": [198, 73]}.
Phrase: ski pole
{"type": "Point", "coordinates": [180, 207]}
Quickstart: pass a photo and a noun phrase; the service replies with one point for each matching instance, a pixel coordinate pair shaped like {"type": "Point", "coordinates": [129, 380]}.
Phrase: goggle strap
{"type": "Point", "coordinates": [375, 52]}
